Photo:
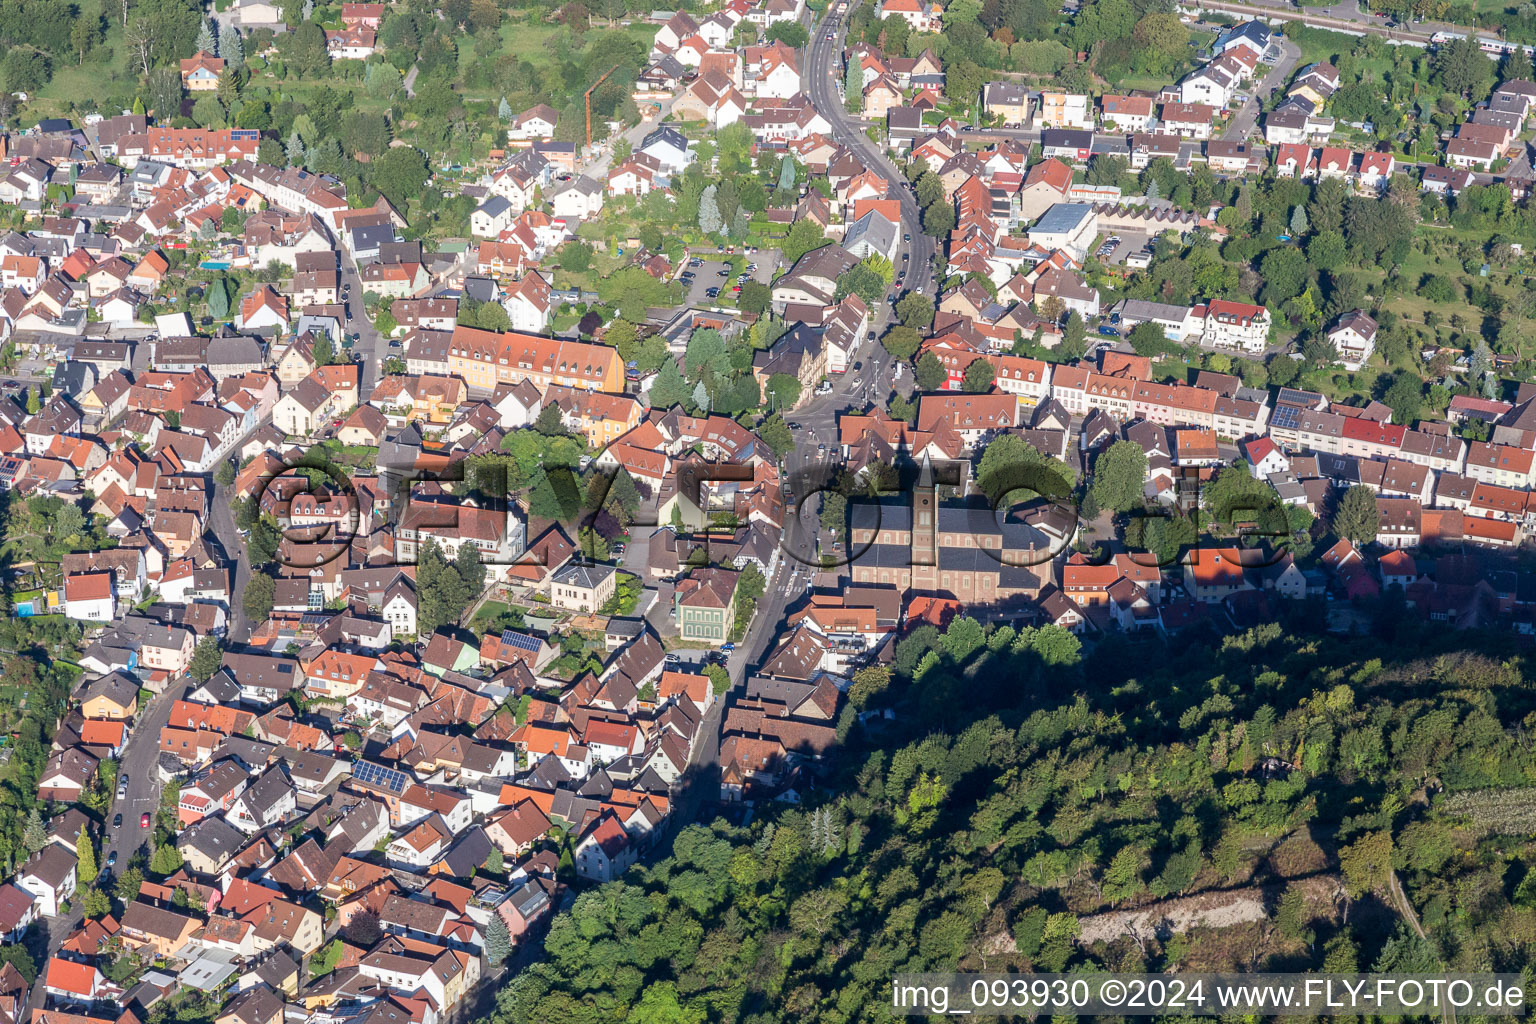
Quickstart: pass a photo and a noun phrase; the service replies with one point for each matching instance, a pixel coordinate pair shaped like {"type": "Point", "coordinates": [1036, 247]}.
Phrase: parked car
{"type": "Point", "coordinates": [117, 821]}
{"type": "Point", "coordinates": [112, 859]}
{"type": "Point", "coordinates": [1108, 331]}
{"type": "Point", "coordinates": [144, 820]}
{"type": "Point", "coordinates": [727, 647]}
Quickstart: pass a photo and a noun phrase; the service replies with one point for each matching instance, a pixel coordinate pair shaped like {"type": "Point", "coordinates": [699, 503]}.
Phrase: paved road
{"type": "Point", "coordinates": [371, 344]}
{"type": "Point", "coordinates": [1243, 121]}
{"type": "Point", "coordinates": [223, 522]}
{"type": "Point", "coordinates": [602, 157]}
{"type": "Point", "coordinates": [138, 763]}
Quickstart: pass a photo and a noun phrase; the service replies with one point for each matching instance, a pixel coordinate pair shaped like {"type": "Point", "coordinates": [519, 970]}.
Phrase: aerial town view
{"type": "Point", "coordinates": [564, 511]}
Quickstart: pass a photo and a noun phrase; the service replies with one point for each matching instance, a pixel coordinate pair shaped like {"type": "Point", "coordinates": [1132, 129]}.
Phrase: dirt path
{"type": "Point", "coordinates": [1211, 909]}
{"type": "Point", "coordinates": [1406, 909]}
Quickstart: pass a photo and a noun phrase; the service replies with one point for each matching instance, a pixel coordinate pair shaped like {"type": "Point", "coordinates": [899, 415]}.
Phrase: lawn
{"type": "Point", "coordinates": [90, 85]}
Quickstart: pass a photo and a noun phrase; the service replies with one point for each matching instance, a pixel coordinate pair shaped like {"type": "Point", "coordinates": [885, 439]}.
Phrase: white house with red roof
{"type": "Point", "coordinates": [922, 17]}
{"type": "Point", "coordinates": [1236, 325]}
{"type": "Point", "coordinates": [1265, 457]}
{"type": "Point", "coordinates": [263, 308]}
{"type": "Point", "coordinates": [1335, 162]}
{"type": "Point", "coordinates": [529, 304]}
{"type": "Point", "coordinates": [1376, 171]}
{"type": "Point", "coordinates": [89, 595]}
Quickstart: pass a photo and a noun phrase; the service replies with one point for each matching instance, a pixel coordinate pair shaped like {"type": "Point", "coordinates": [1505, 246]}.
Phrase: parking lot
{"type": "Point", "coordinates": [708, 274]}
{"type": "Point", "coordinates": [1129, 242]}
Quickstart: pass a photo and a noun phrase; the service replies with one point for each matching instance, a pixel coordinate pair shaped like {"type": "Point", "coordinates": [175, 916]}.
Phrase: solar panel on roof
{"type": "Point", "coordinates": [521, 641]}
{"type": "Point", "coordinates": [372, 774]}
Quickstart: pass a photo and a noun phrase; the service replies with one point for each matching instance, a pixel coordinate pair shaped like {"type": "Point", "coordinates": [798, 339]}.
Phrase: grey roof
{"type": "Point", "coordinates": [471, 851]}
{"type": "Point", "coordinates": [263, 794]}
{"type": "Point", "coordinates": [582, 574]}
{"type": "Point", "coordinates": [1011, 93]}
{"type": "Point", "coordinates": [1062, 217]}
{"type": "Point", "coordinates": [495, 206]}
{"type": "Point", "coordinates": [875, 230]}
{"type": "Point", "coordinates": [119, 687]}
{"type": "Point", "coordinates": [213, 837]}
{"type": "Point", "coordinates": [669, 136]}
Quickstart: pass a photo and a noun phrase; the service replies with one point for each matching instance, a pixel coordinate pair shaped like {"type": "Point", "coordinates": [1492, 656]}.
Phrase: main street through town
{"type": "Point", "coordinates": [813, 463]}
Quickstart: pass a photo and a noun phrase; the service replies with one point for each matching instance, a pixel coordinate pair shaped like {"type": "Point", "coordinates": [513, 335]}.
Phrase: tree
{"type": "Point", "coordinates": [1285, 274]}
{"type": "Point", "coordinates": [777, 435]}
{"type": "Point", "coordinates": [166, 860]}
{"type": "Point", "coordinates": [790, 33]}
{"type": "Point", "coordinates": [85, 857]}
{"type": "Point", "coordinates": [705, 353]}
{"type": "Point", "coordinates": [16, 954]}
{"type": "Point", "coordinates": [939, 219]}
{"type": "Point", "coordinates": [163, 87]}
{"type": "Point", "coordinates": [304, 49]}
{"type": "Point", "coordinates": [979, 376]}
{"type": "Point", "coordinates": [128, 885]}
{"type": "Point", "coordinates": [930, 372]}
{"type": "Point", "coordinates": [1299, 223]}
{"type": "Point", "coordinates": [260, 592]}
{"type": "Point", "coordinates": [1367, 863]}
{"type": "Point", "coordinates": [915, 310]}
{"type": "Point", "coordinates": [1118, 476]}
{"type": "Point", "coordinates": [68, 521]}
{"type": "Point", "coordinates": [1406, 397]}
{"type": "Point", "coordinates": [1356, 516]}
{"type": "Point", "coordinates": [862, 281]}
{"type": "Point", "coordinates": [206, 658]}
{"type": "Point", "coordinates": [1148, 339]}
{"type": "Point", "coordinates": [709, 211]}
{"type": "Point", "coordinates": [33, 835]}
{"type": "Point", "coordinates": [208, 112]}
{"type": "Point", "coordinates": [1463, 68]}
{"type": "Point", "coordinates": [669, 388]}
{"type": "Point", "coordinates": [400, 173]}
{"type": "Point", "coordinates": [82, 38]}
{"type": "Point", "coordinates": [1326, 250]}
{"type": "Point", "coordinates": [231, 48]}
{"type": "Point", "coordinates": [206, 43]}
{"type": "Point", "coordinates": [783, 391]}
{"type": "Point", "coordinates": [1073, 332]}
{"type": "Point", "coordinates": [217, 297]}
{"type": "Point", "coordinates": [94, 904]}
{"type": "Point", "coordinates": [498, 941]}
{"type": "Point", "coordinates": [575, 257]}
{"type": "Point", "coordinates": [902, 342]}
{"type": "Point", "coordinates": [804, 236]}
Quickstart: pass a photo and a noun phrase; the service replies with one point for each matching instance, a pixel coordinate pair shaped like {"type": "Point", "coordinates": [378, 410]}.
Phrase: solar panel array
{"type": "Point", "coordinates": [1285, 416]}
{"type": "Point", "coordinates": [377, 775]}
{"type": "Point", "coordinates": [521, 641]}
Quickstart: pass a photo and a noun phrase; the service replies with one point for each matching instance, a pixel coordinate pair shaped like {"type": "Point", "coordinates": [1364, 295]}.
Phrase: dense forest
{"type": "Point", "coordinates": [1026, 789]}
